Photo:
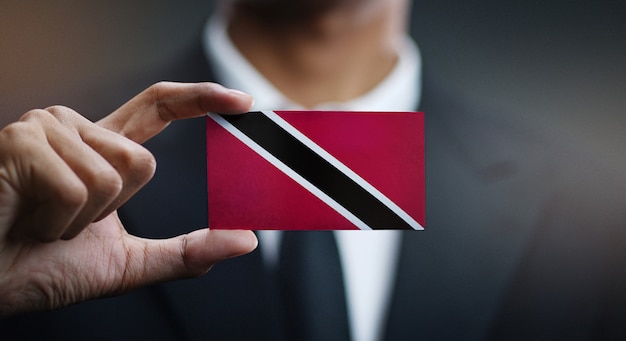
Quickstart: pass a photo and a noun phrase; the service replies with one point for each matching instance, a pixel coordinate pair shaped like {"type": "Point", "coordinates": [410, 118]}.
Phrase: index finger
{"type": "Point", "coordinates": [152, 110]}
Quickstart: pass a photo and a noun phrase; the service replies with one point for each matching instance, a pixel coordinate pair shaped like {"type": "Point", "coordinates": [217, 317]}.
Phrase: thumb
{"type": "Point", "coordinates": [185, 256]}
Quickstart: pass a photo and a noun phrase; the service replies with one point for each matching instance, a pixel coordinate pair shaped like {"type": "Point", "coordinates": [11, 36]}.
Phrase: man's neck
{"type": "Point", "coordinates": [336, 56]}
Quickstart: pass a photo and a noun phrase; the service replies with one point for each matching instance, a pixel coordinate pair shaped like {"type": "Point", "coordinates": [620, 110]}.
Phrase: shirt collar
{"type": "Point", "coordinates": [399, 91]}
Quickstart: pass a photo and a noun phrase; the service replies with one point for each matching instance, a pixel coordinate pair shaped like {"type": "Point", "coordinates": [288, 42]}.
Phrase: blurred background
{"type": "Point", "coordinates": [559, 64]}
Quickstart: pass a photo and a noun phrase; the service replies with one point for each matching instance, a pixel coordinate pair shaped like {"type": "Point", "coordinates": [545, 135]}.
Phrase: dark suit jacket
{"type": "Point", "coordinates": [523, 240]}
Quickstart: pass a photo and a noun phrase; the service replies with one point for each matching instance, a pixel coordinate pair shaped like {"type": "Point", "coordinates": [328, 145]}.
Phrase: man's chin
{"type": "Point", "coordinates": [294, 10]}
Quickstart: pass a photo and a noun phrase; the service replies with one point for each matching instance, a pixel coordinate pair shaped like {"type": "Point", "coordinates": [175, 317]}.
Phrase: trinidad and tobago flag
{"type": "Point", "coordinates": [316, 170]}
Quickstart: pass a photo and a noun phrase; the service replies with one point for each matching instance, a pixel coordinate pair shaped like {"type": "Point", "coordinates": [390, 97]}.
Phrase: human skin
{"type": "Point", "coordinates": [62, 179]}
{"type": "Point", "coordinates": [319, 51]}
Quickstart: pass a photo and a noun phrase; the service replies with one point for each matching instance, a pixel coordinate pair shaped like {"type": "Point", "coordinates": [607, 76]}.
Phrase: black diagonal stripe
{"type": "Point", "coordinates": [317, 171]}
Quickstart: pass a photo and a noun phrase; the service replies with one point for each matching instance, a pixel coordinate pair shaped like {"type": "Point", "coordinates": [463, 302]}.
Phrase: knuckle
{"type": "Point", "coordinates": [58, 110]}
{"type": "Point", "coordinates": [51, 115]}
{"type": "Point", "coordinates": [137, 163]}
{"type": "Point", "coordinates": [62, 113]}
{"type": "Point", "coordinates": [20, 137]}
{"type": "Point", "coordinates": [106, 183]}
{"type": "Point", "coordinates": [159, 86]}
{"type": "Point", "coordinates": [15, 130]}
{"type": "Point", "coordinates": [36, 115]}
{"type": "Point", "coordinates": [74, 196]}
{"type": "Point", "coordinates": [156, 92]}
{"type": "Point", "coordinates": [144, 164]}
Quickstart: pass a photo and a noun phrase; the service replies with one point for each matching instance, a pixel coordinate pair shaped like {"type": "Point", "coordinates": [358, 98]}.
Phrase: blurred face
{"type": "Point", "coordinates": [299, 11]}
{"type": "Point", "coordinates": [301, 5]}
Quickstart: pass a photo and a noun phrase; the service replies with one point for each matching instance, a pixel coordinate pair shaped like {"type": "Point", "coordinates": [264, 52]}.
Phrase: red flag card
{"type": "Point", "coordinates": [316, 170]}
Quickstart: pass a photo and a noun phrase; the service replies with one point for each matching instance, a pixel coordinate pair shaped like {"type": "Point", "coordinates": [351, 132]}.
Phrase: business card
{"type": "Point", "coordinates": [316, 170]}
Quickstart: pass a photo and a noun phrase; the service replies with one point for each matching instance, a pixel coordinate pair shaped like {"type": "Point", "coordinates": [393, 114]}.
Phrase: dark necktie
{"type": "Point", "coordinates": [311, 286]}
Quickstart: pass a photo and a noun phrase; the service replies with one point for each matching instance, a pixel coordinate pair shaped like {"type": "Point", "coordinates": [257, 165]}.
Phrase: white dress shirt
{"type": "Point", "coordinates": [368, 258]}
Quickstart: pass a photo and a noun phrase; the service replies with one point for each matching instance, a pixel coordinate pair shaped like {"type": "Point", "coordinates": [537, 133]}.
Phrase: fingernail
{"type": "Point", "coordinates": [238, 93]}
{"type": "Point", "coordinates": [243, 96]}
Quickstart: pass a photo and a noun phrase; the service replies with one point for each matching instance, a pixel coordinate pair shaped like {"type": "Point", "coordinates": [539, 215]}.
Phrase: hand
{"type": "Point", "coordinates": [62, 179]}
